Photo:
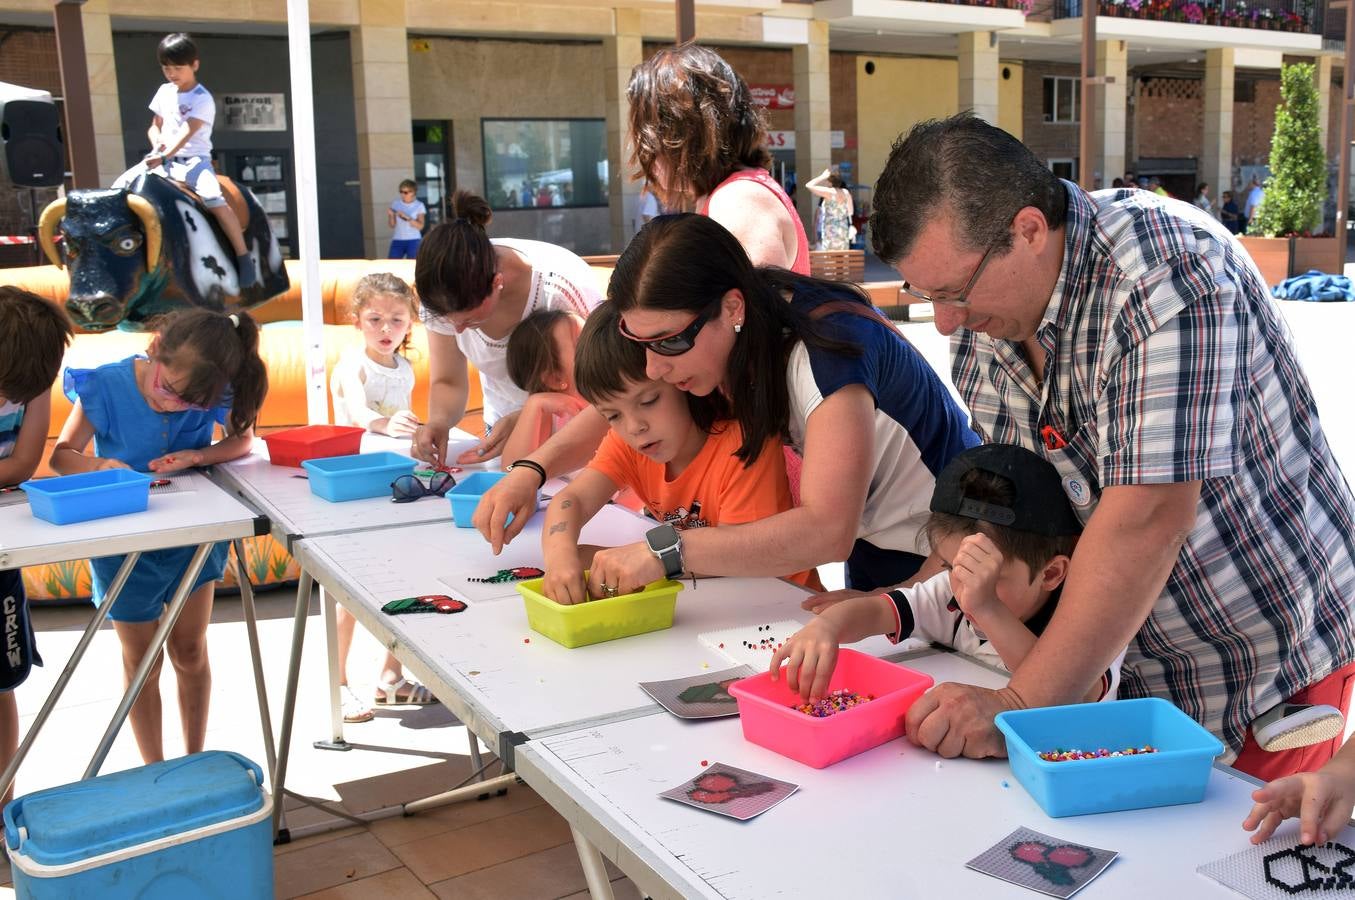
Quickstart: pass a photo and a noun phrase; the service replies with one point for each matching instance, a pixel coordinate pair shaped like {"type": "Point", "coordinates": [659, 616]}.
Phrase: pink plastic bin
{"type": "Point", "coordinates": [769, 721]}
{"type": "Point", "coordinates": [294, 446]}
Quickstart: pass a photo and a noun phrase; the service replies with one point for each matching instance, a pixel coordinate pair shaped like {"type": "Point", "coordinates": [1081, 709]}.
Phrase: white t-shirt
{"type": "Point", "coordinates": [11, 418]}
{"type": "Point", "coordinates": [560, 280]}
{"type": "Point", "coordinates": [407, 231]}
{"type": "Point", "coordinates": [649, 206]}
{"type": "Point", "coordinates": [1254, 198]}
{"type": "Point", "coordinates": [384, 391]}
{"type": "Point", "coordinates": [175, 109]}
{"type": "Point", "coordinates": [923, 611]}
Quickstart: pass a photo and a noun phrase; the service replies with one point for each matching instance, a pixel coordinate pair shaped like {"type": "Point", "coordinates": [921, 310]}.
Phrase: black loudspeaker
{"type": "Point", "coordinates": [30, 135]}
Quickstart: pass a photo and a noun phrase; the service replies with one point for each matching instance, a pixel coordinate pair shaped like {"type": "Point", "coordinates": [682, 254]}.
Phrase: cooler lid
{"type": "Point", "coordinates": [74, 822]}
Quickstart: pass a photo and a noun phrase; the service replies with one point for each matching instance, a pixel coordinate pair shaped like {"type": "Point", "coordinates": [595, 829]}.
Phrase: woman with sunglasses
{"type": "Point", "coordinates": [474, 292]}
{"type": "Point", "coordinates": [159, 413]}
{"type": "Point", "coordinates": [872, 420]}
{"type": "Point", "coordinates": [701, 145]}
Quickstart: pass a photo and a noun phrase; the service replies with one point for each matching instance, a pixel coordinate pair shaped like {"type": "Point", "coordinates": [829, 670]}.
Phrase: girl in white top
{"type": "Point", "coordinates": [474, 292]}
{"type": "Point", "coordinates": [372, 385]}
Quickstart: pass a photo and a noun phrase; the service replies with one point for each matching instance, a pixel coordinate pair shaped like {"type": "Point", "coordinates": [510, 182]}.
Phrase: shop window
{"type": "Point", "coordinates": [1061, 99]}
{"type": "Point", "coordinates": [545, 162]}
{"type": "Point", "coordinates": [1064, 168]}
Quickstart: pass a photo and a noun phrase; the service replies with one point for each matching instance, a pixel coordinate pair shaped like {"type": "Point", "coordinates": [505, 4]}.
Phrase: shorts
{"type": "Point", "coordinates": [407, 249]}
{"type": "Point", "coordinates": [19, 645]}
{"type": "Point", "coordinates": [869, 568]}
{"type": "Point", "coordinates": [154, 580]}
{"type": "Point", "coordinates": [195, 171]}
{"type": "Point", "coordinates": [1334, 690]}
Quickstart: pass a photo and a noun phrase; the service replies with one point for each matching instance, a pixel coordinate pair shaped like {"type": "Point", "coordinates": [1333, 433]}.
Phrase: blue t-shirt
{"type": "Point", "coordinates": [125, 426]}
{"type": "Point", "coordinates": [406, 231]}
{"type": "Point", "coordinates": [919, 427]}
{"type": "Point", "coordinates": [11, 420]}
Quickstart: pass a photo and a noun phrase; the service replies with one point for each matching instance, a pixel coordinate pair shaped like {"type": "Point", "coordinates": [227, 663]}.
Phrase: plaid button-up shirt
{"type": "Point", "coordinates": [1167, 361]}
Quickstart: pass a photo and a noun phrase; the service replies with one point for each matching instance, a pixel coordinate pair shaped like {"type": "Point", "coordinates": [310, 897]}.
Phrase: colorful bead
{"type": "Point", "coordinates": [836, 702]}
{"type": "Point", "coordinates": [1061, 755]}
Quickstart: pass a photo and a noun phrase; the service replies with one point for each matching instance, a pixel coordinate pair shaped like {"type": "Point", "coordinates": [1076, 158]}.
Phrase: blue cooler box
{"type": "Point", "coordinates": [200, 826]}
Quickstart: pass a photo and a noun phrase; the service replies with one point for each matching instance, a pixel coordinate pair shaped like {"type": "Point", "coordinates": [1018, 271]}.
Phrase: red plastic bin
{"type": "Point", "coordinates": [769, 721]}
{"type": "Point", "coordinates": [296, 445]}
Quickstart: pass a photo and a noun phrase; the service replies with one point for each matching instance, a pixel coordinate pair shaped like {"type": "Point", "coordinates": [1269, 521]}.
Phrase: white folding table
{"type": "Point", "coordinates": [192, 512]}
{"type": "Point", "coordinates": [896, 821]}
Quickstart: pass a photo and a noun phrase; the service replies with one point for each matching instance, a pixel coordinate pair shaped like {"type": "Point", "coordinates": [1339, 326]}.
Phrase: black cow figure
{"type": "Point", "coordinates": [139, 253]}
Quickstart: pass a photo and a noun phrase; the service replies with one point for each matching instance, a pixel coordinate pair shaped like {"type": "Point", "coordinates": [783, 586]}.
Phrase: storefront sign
{"type": "Point", "coordinates": [251, 112]}
{"type": "Point", "coordinates": [785, 140]}
{"type": "Point", "coordinates": [773, 96]}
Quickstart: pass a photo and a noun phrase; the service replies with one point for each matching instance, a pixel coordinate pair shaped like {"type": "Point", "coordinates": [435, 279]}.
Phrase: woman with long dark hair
{"type": "Point", "coordinates": [474, 291]}
{"type": "Point", "coordinates": [825, 370]}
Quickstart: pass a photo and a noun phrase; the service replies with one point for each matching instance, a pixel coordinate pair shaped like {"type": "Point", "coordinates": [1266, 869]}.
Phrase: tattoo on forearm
{"type": "Point", "coordinates": [557, 528]}
{"type": "Point", "coordinates": [566, 503]}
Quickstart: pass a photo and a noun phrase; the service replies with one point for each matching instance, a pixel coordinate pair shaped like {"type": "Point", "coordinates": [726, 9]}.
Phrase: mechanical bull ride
{"type": "Point", "coordinates": [139, 253]}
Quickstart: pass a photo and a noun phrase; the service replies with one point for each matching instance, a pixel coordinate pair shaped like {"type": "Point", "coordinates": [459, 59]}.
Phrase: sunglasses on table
{"type": "Point", "coordinates": [408, 488]}
{"type": "Point", "coordinates": [677, 343]}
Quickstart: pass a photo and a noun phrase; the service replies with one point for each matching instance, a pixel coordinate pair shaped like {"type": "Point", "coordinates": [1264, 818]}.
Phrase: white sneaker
{"type": "Point", "coordinates": [1287, 726]}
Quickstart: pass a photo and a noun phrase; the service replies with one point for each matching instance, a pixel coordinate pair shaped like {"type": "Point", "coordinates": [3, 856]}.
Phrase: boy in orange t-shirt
{"type": "Point", "coordinates": [675, 450]}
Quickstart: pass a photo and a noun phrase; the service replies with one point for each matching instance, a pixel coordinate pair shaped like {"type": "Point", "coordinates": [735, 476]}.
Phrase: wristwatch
{"type": "Point", "coordinates": [665, 543]}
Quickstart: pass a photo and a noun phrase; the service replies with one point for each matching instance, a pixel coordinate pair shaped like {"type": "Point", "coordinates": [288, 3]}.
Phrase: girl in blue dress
{"type": "Point", "coordinates": [158, 413]}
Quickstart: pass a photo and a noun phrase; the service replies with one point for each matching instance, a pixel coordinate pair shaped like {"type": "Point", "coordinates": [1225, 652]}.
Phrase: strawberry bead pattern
{"type": "Point", "coordinates": [722, 787]}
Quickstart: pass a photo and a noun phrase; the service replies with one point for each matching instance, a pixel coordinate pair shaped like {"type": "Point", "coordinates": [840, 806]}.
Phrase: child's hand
{"type": "Point", "coordinates": [1322, 800]}
{"type": "Point", "coordinates": [974, 572]}
{"type": "Point", "coordinates": [403, 424]}
{"type": "Point", "coordinates": [174, 462]}
{"type": "Point", "coordinates": [104, 463]}
{"type": "Point", "coordinates": [564, 582]}
{"type": "Point", "coordinates": [810, 655]}
{"type": "Point", "coordinates": [492, 445]}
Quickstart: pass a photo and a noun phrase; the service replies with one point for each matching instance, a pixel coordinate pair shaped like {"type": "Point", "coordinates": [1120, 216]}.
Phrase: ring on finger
{"type": "Point", "coordinates": [609, 590]}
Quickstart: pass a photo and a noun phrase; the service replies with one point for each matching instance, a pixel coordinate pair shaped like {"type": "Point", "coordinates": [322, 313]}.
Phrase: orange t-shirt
{"type": "Point", "coordinates": [715, 489]}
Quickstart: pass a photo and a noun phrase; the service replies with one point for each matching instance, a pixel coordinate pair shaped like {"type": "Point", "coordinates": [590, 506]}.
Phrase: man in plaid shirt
{"type": "Point", "coordinates": [1130, 341]}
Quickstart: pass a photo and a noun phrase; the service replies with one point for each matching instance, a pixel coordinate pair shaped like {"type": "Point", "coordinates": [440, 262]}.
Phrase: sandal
{"type": "Point", "coordinates": [415, 694]}
{"type": "Point", "coordinates": [354, 710]}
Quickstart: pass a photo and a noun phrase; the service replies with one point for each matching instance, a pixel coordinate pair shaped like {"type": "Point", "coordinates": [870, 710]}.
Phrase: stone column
{"type": "Point", "coordinates": [103, 91]}
{"type": "Point", "coordinates": [812, 121]}
{"type": "Point", "coordinates": [1217, 161]}
{"type": "Point", "coordinates": [979, 74]}
{"type": "Point", "coordinates": [382, 110]}
{"type": "Point", "coordinates": [1322, 70]}
{"type": "Point", "coordinates": [621, 51]}
{"type": "Point", "coordinates": [1112, 62]}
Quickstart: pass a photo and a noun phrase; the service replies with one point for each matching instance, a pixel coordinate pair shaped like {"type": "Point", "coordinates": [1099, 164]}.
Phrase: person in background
{"type": "Point", "coordinates": [837, 209]}
{"type": "Point", "coordinates": [1230, 215]}
{"type": "Point", "coordinates": [1202, 198]}
{"type": "Point", "coordinates": [406, 215]}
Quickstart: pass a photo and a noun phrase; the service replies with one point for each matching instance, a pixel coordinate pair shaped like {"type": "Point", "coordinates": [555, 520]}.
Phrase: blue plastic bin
{"type": "Point", "coordinates": [356, 477]}
{"type": "Point", "coordinates": [465, 496]}
{"type": "Point", "coordinates": [197, 827]}
{"type": "Point", "coordinates": [89, 495]}
{"type": "Point", "coordinates": [1177, 773]}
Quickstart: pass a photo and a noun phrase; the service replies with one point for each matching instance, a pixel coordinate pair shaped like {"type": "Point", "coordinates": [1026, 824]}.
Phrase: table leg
{"type": "Point", "coordinates": [331, 610]}
{"type": "Point", "coordinates": [120, 579]}
{"type": "Point", "coordinates": [255, 657]}
{"type": "Point", "coordinates": [303, 597]}
{"type": "Point", "coordinates": [143, 671]}
{"type": "Point", "coordinates": [594, 869]}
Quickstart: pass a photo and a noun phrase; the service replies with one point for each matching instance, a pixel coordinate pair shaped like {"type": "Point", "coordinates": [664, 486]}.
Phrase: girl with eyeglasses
{"type": "Point", "coordinates": [475, 291]}
{"type": "Point", "coordinates": [159, 413]}
{"type": "Point", "coordinates": [873, 422]}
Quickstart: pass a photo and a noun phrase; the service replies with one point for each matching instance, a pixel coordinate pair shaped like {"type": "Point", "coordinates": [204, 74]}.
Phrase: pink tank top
{"type": "Point", "coordinates": [801, 264]}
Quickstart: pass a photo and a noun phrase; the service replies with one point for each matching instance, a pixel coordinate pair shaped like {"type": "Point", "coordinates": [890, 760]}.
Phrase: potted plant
{"type": "Point", "coordinates": [1291, 210]}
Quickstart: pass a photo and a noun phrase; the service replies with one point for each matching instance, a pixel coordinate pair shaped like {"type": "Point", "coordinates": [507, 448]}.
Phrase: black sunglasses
{"type": "Point", "coordinates": [408, 488]}
{"type": "Point", "coordinates": [677, 343]}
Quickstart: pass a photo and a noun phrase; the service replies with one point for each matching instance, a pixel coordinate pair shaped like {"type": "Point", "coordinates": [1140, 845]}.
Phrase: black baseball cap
{"type": "Point", "coordinates": [1040, 504]}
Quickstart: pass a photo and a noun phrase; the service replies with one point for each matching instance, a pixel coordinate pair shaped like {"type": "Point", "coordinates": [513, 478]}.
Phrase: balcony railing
{"type": "Point", "coordinates": [1300, 16]}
